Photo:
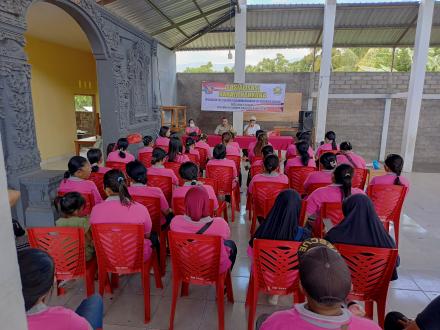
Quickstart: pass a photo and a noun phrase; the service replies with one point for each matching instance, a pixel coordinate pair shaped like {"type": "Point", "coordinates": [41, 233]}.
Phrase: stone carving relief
{"type": "Point", "coordinates": [13, 11]}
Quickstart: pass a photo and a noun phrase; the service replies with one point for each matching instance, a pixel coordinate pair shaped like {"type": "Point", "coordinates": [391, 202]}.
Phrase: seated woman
{"type": "Point", "coordinates": [361, 226]}
{"type": "Point", "coordinates": [262, 141]}
{"type": "Point", "coordinates": [219, 158]}
{"type": "Point", "coordinates": [69, 207]}
{"type": "Point", "coordinates": [232, 148]}
{"type": "Point", "coordinates": [119, 208]}
{"type": "Point", "coordinates": [197, 220]}
{"type": "Point", "coordinates": [203, 143]}
{"type": "Point", "coordinates": [37, 272]}
{"type": "Point", "coordinates": [163, 139]}
{"type": "Point", "coordinates": [175, 150]}
{"type": "Point", "coordinates": [192, 128]}
{"type": "Point", "coordinates": [328, 164]}
{"type": "Point", "coordinates": [303, 158]}
{"type": "Point", "coordinates": [121, 154]}
{"type": "Point", "coordinates": [393, 166]}
{"type": "Point", "coordinates": [271, 164]}
{"type": "Point", "coordinates": [347, 156]}
{"type": "Point", "coordinates": [76, 179]}
{"type": "Point", "coordinates": [147, 140]}
{"type": "Point", "coordinates": [267, 150]}
{"type": "Point", "coordinates": [300, 136]}
{"type": "Point", "coordinates": [282, 224]}
{"type": "Point", "coordinates": [94, 157]}
{"type": "Point", "coordinates": [189, 172]}
{"type": "Point", "coordinates": [190, 148]}
{"type": "Point", "coordinates": [329, 143]}
{"type": "Point", "coordinates": [138, 174]}
{"type": "Point", "coordinates": [157, 167]}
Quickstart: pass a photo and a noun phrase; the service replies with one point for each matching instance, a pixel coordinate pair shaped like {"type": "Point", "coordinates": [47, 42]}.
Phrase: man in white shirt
{"type": "Point", "coordinates": [251, 128]}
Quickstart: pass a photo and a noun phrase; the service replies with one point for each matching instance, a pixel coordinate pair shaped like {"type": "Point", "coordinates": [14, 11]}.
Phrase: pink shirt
{"type": "Point", "coordinates": [82, 186]}
{"type": "Point", "coordinates": [181, 192]}
{"type": "Point", "coordinates": [195, 152]}
{"type": "Point", "coordinates": [114, 157]}
{"type": "Point", "coordinates": [318, 177]}
{"type": "Point", "coordinates": [112, 211]}
{"type": "Point", "coordinates": [297, 162]}
{"type": "Point", "coordinates": [206, 146]}
{"type": "Point", "coordinates": [103, 170]}
{"type": "Point", "coordinates": [358, 161]}
{"type": "Point", "coordinates": [300, 317]}
{"type": "Point", "coordinates": [389, 179]}
{"type": "Point", "coordinates": [219, 227]}
{"type": "Point", "coordinates": [180, 158]}
{"type": "Point", "coordinates": [57, 318]}
{"type": "Point", "coordinates": [325, 147]}
{"type": "Point", "coordinates": [251, 153]}
{"type": "Point", "coordinates": [163, 172]}
{"type": "Point", "coordinates": [224, 162]}
{"type": "Point", "coordinates": [232, 150]}
{"type": "Point", "coordinates": [145, 149]}
{"type": "Point", "coordinates": [280, 178]}
{"type": "Point", "coordinates": [190, 130]}
{"type": "Point", "coordinates": [162, 141]}
{"type": "Point", "coordinates": [291, 151]}
{"type": "Point", "coordinates": [137, 189]}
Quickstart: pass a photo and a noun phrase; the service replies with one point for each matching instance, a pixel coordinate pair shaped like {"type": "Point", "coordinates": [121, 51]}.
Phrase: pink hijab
{"type": "Point", "coordinates": [197, 203]}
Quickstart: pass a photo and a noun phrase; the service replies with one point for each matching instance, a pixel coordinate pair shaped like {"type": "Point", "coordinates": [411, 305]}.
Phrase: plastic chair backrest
{"type": "Point", "coordinates": [117, 166]}
{"type": "Point", "coordinates": [263, 191]}
{"type": "Point", "coordinates": [98, 179]}
{"type": "Point", "coordinates": [388, 200]}
{"type": "Point", "coordinates": [164, 148]}
{"type": "Point", "coordinates": [332, 211]}
{"type": "Point", "coordinates": [302, 215]}
{"type": "Point", "coordinates": [275, 266]}
{"type": "Point", "coordinates": [89, 202]}
{"type": "Point", "coordinates": [66, 245]}
{"type": "Point", "coordinates": [237, 161]}
{"type": "Point", "coordinates": [195, 258]}
{"type": "Point", "coordinates": [256, 158]}
{"type": "Point", "coordinates": [256, 169]}
{"type": "Point", "coordinates": [153, 206]}
{"type": "Point", "coordinates": [175, 167]}
{"type": "Point", "coordinates": [223, 175]}
{"type": "Point", "coordinates": [165, 183]}
{"type": "Point", "coordinates": [297, 175]}
{"type": "Point", "coordinates": [371, 269]}
{"type": "Point", "coordinates": [119, 247]}
{"type": "Point", "coordinates": [145, 158]}
{"type": "Point", "coordinates": [210, 182]}
{"type": "Point", "coordinates": [193, 158]}
{"type": "Point", "coordinates": [321, 152]}
{"type": "Point", "coordinates": [203, 156]}
{"type": "Point", "coordinates": [360, 178]}
{"type": "Point", "coordinates": [179, 206]}
{"type": "Point", "coordinates": [313, 186]}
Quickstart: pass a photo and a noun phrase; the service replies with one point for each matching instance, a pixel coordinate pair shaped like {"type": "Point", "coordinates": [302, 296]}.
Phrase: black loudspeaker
{"type": "Point", "coordinates": [305, 120]}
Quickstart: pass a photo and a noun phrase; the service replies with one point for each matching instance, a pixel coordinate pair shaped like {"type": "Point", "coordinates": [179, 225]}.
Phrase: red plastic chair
{"type": "Point", "coordinates": [194, 158]}
{"type": "Point", "coordinates": [313, 186]}
{"type": "Point", "coordinates": [222, 207]}
{"type": "Point", "coordinates": [297, 175]}
{"type": "Point", "coordinates": [223, 175]}
{"type": "Point", "coordinates": [332, 211]}
{"type": "Point", "coordinates": [388, 202]}
{"type": "Point", "coordinates": [145, 158]}
{"type": "Point", "coordinates": [360, 178]}
{"type": "Point", "coordinates": [89, 202]}
{"type": "Point", "coordinates": [274, 272]}
{"type": "Point", "coordinates": [164, 148]}
{"type": "Point", "coordinates": [175, 167]}
{"type": "Point", "coordinates": [321, 152]}
{"type": "Point", "coordinates": [179, 206]}
{"type": "Point", "coordinates": [371, 270]}
{"type": "Point", "coordinates": [66, 245]}
{"type": "Point", "coordinates": [120, 250]}
{"type": "Point", "coordinates": [153, 206]}
{"type": "Point", "coordinates": [256, 169]}
{"type": "Point", "coordinates": [302, 215]}
{"type": "Point", "coordinates": [203, 157]}
{"type": "Point", "coordinates": [118, 166]}
{"type": "Point", "coordinates": [165, 183]}
{"type": "Point", "coordinates": [263, 198]}
{"type": "Point", "coordinates": [195, 259]}
{"type": "Point", "coordinates": [98, 179]}
{"type": "Point", "coordinates": [237, 161]}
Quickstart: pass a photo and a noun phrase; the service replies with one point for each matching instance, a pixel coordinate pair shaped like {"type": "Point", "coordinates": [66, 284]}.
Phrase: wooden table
{"type": "Point", "coordinates": [86, 142]}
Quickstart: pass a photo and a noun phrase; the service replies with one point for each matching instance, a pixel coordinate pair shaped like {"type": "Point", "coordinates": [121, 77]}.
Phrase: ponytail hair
{"type": "Point", "coordinates": [137, 171]}
{"type": "Point", "coordinates": [204, 137]}
{"type": "Point", "coordinates": [330, 135]}
{"type": "Point", "coordinates": [75, 164]}
{"type": "Point", "coordinates": [271, 163]}
{"type": "Point", "coordinates": [122, 146]}
{"type": "Point", "coordinates": [115, 181]}
{"type": "Point", "coordinates": [94, 156]}
{"type": "Point", "coordinates": [303, 150]}
{"type": "Point", "coordinates": [189, 172]}
{"type": "Point", "coordinates": [158, 155]}
{"type": "Point", "coordinates": [395, 163]}
{"type": "Point", "coordinates": [68, 204]}
{"type": "Point", "coordinates": [110, 148]}
{"type": "Point", "coordinates": [226, 138]}
{"type": "Point", "coordinates": [346, 146]}
{"type": "Point", "coordinates": [147, 139]}
{"type": "Point", "coordinates": [267, 150]}
{"type": "Point", "coordinates": [261, 142]}
{"type": "Point", "coordinates": [189, 142]}
{"type": "Point", "coordinates": [328, 160]}
{"type": "Point", "coordinates": [343, 175]}
{"type": "Point", "coordinates": [163, 131]}
{"type": "Point", "coordinates": [175, 148]}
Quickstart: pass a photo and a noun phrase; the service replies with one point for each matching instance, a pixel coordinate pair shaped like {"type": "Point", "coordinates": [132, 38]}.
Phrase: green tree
{"type": "Point", "coordinates": [227, 69]}
{"type": "Point", "coordinates": [205, 68]}
{"type": "Point", "coordinates": [83, 101]}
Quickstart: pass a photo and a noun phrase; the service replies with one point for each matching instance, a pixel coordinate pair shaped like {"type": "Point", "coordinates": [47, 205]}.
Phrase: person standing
{"type": "Point", "coordinates": [224, 127]}
{"type": "Point", "coordinates": [251, 128]}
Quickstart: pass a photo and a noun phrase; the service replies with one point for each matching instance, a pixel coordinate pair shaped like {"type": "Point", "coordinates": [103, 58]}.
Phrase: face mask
{"type": "Point", "coordinates": [192, 125]}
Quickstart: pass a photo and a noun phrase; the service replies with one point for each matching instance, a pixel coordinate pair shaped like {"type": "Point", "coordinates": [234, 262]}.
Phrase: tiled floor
{"type": "Point", "coordinates": [418, 283]}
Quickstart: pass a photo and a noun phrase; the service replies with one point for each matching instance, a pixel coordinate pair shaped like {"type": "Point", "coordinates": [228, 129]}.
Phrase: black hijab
{"type": "Point", "coordinates": [282, 222]}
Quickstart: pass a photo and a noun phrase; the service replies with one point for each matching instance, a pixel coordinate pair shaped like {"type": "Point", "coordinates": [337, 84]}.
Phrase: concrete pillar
{"type": "Point", "coordinates": [12, 304]}
{"type": "Point", "coordinates": [416, 82]}
{"type": "Point", "coordinates": [324, 73]}
{"type": "Point", "coordinates": [386, 122]}
{"type": "Point", "coordinates": [240, 59]}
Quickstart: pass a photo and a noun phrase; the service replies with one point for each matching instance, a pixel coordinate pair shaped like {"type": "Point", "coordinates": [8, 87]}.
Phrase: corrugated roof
{"type": "Point", "coordinates": [206, 24]}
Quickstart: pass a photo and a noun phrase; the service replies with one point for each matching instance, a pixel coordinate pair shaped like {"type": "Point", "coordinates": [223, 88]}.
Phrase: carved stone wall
{"type": "Point", "coordinates": [124, 58]}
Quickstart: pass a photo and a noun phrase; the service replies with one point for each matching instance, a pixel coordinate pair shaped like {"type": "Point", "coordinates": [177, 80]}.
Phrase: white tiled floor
{"type": "Point", "coordinates": [418, 283]}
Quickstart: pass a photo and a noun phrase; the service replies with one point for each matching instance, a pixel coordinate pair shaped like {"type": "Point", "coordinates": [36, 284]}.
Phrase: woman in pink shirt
{"type": "Point", "coordinates": [190, 148]}
{"type": "Point", "coordinates": [138, 174]}
{"type": "Point", "coordinates": [189, 172]}
{"type": "Point", "coordinates": [349, 157]}
{"type": "Point", "coordinates": [329, 143]}
{"type": "Point", "coordinates": [175, 150]}
{"type": "Point", "coordinates": [157, 167]}
{"type": "Point", "coordinates": [219, 155]}
{"type": "Point", "coordinates": [262, 141]}
{"type": "Point", "coordinates": [163, 139]}
{"type": "Point", "coordinates": [202, 143]}
{"type": "Point", "coordinates": [121, 154]}
{"type": "Point", "coordinates": [231, 147]}
{"type": "Point", "coordinates": [393, 167]}
{"type": "Point", "coordinates": [119, 207]}
{"type": "Point", "coordinates": [75, 179]}
{"type": "Point", "coordinates": [271, 164]}
{"type": "Point", "coordinates": [300, 136]}
{"type": "Point", "coordinates": [324, 176]}
{"type": "Point", "coordinates": [147, 140]}
{"type": "Point", "coordinates": [197, 221]}
{"type": "Point", "coordinates": [192, 128]}
{"type": "Point", "coordinates": [303, 158]}
{"type": "Point", "coordinates": [37, 272]}
{"type": "Point", "coordinates": [94, 157]}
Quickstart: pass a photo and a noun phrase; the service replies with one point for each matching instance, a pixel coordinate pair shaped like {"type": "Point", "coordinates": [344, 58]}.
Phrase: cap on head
{"type": "Point", "coordinates": [253, 118]}
{"type": "Point", "coordinates": [323, 272]}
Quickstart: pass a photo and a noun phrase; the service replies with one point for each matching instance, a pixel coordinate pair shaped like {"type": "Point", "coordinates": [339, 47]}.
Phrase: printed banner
{"type": "Point", "coordinates": [218, 96]}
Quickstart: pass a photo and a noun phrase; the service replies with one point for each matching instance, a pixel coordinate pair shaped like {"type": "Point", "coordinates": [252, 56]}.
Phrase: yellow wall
{"type": "Point", "coordinates": [56, 74]}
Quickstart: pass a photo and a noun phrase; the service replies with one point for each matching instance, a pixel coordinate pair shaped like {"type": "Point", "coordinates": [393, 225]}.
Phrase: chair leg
{"type": "Point", "coordinates": [249, 290]}
{"type": "Point", "coordinates": [252, 308]}
{"type": "Point", "coordinates": [253, 223]}
{"type": "Point", "coordinates": [60, 291]}
{"type": "Point", "coordinates": [232, 206]}
{"type": "Point", "coordinates": [91, 267]}
{"type": "Point", "coordinates": [396, 224]}
{"type": "Point", "coordinates": [369, 309]}
{"type": "Point", "coordinates": [229, 290]}
{"type": "Point", "coordinates": [102, 281]}
{"type": "Point", "coordinates": [174, 301]}
{"type": "Point", "coordinates": [381, 304]}
{"type": "Point", "coordinates": [157, 272]}
{"type": "Point", "coordinates": [114, 281]}
{"type": "Point", "coordinates": [220, 303]}
{"type": "Point", "coordinates": [185, 289]}
{"type": "Point", "coordinates": [163, 252]}
{"type": "Point", "coordinates": [146, 285]}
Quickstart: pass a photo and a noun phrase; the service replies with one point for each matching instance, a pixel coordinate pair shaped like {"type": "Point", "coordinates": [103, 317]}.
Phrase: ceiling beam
{"type": "Point", "coordinates": [191, 19]}
{"type": "Point", "coordinates": [413, 22]}
{"type": "Point", "coordinates": [105, 2]}
{"type": "Point", "coordinates": [201, 11]}
{"type": "Point", "coordinates": [159, 11]}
